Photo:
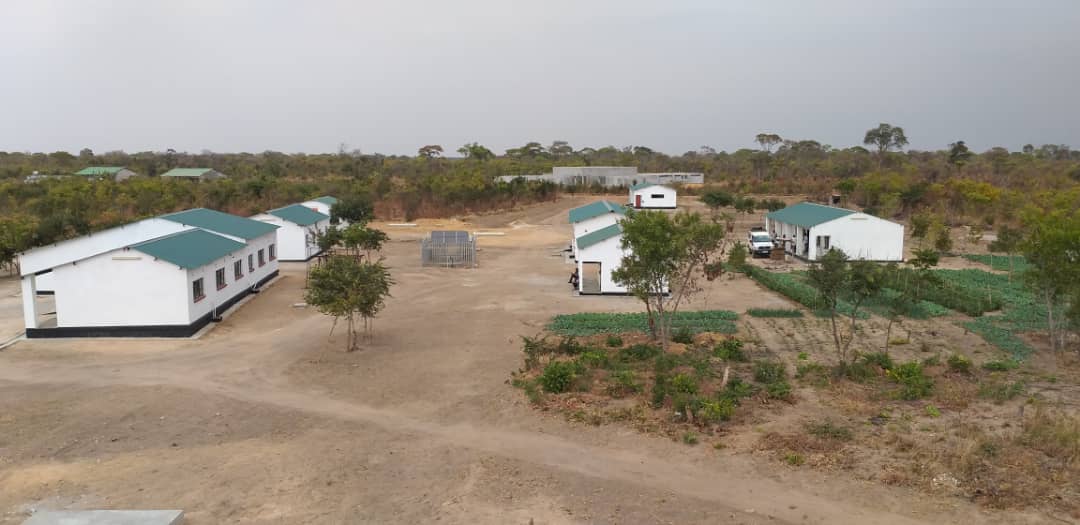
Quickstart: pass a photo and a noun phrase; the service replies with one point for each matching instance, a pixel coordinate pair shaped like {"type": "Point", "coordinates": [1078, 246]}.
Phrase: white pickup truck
{"type": "Point", "coordinates": [761, 244]}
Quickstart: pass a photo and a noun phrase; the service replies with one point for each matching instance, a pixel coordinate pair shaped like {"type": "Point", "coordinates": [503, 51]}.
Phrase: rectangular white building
{"type": "Point", "coordinates": [592, 217]}
{"type": "Point", "coordinates": [162, 277]}
{"type": "Point", "coordinates": [600, 253]}
{"type": "Point", "coordinates": [321, 204]}
{"type": "Point", "coordinates": [298, 230]}
{"type": "Point", "coordinates": [809, 230]}
{"type": "Point", "coordinates": [652, 196]}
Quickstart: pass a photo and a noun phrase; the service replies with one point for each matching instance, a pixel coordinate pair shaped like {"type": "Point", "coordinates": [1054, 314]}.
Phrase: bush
{"type": "Point", "coordinates": [660, 390]}
{"type": "Point", "coordinates": [639, 352]}
{"type": "Point", "coordinates": [716, 411]}
{"type": "Point", "coordinates": [774, 312]}
{"type": "Point", "coordinates": [665, 363]}
{"type": "Point", "coordinates": [594, 359]}
{"type": "Point", "coordinates": [614, 341]}
{"type": "Point", "coordinates": [1001, 392]}
{"type": "Point", "coordinates": [559, 375]}
{"type": "Point", "coordinates": [878, 359]}
{"type": "Point", "coordinates": [535, 348]}
{"type": "Point", "coordinates": [623, 382]}
{"type": "Point", "coordinates": [914, 384]}
{"type": "Point", "coordinates": [735, 390]}
{"type": "Point", "coordinates": [859, 371]}
{"type": "Point", "coordinates": [769, 372]}
{"type": "Point", "coordinates": [737, 257]}
{"type": "Point", "coordinates": [816, 373]}
{"type": "Point", "coordinates": [778, 390]}
{"type": "Point", "coordinates": [829, 430]}
{"type": "Point", "coordinates": [683, 336]}
{"type": "Point", "coordinates": [569, 346]}
{"type": "Point", "coordinates": [730, 349]}
{"type": "Point", "coordinates": [684, 384]}
{"type": "Point", "coordinates": [1000, 366]}
{"type": "Point", "coordinates": [959, 364]}
{"type": "Point", "coordinates": [690, 438]}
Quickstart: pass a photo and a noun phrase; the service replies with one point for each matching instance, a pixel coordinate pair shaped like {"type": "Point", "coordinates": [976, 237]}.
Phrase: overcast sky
{"type": "Point", "coordinates": [391, 75]}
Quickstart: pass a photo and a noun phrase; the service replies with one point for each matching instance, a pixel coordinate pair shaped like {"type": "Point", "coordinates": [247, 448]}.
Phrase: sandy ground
{"type": "Point", "coordinates": [266, 420]}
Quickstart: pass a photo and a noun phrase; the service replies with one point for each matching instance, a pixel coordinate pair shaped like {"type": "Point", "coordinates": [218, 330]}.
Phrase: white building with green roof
{"type": "Point", "coordinates": [117, 173]}
{"type": "Point", "coordinates": [650, 196]}
{"type": "Point", "coordinates": [321, 204]}
{"type": "Point", "coordinates": [298, 230]}
{"type": "Point", "coordinates": [167, 276]}
{"type": "Point", "coordinates": [193, 174]}
{"type": "Point", "coordinates": [599, 253]}
{"type": "Point", "coordinates": [808, 230]}
{"type": "Point", "coordinates": [591, 217]}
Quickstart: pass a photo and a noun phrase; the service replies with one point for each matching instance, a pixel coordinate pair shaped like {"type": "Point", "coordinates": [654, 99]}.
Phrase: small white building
{"type": "Point", "coordinates": [652, 196]}
{"type": "Point", "coordinates": [162, 277]}
{"type": "Point", "coordinates": [809, 230]}
{"type": "Point", "coordinates": [116, 173]}
{"type": "Point", "coordinates": [592, 217]}
{"type": "Point", "coordinates": [298, 230]}
{"type": "Point", "coordinates": [600, 253]}
{"type": "Point", "coordinates": [321, 204]}
{"type": "Point", "coordinates": [193, 174]}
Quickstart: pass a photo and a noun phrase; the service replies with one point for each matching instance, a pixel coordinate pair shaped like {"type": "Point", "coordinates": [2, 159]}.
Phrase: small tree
{"type": "Point", "coordinates": [1008, 242]}
{"type": "Point", "coordinates": [834, 278]}
{"type": "Point", "coordinates": [910, 290]}
{"type": "Point", "coordinates": [959, 155]}
{"type": "Point", "coordinates": [357, 237]}
{"type": "Point", "coordinates": [885, 137]}
{"type": "Point", "coordinates": [665, 252]}
{"type": "Point", "coordinates": [342, 286]}
{"type": "Point", "coordinates": [1052, 250]}
{"type": "Point", "coordinates": [354, 209]}
{"type": "Point", "coordinates": [717, 199]}
{"type": "Point", "coordinates": [942, 240]}
{"type": "Point", "coordinates": [920, 225]}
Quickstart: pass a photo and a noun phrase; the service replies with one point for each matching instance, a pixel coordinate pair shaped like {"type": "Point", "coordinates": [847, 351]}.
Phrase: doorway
{"type": "Point", "coordinates": [590, 277]}
{"type": "Point", "coordinates": [637, 201]}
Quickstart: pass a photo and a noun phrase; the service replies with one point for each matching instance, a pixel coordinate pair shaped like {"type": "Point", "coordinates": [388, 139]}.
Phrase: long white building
{"type": "Point", "coordinates": [809, 230]}
{"type": "Point", "coordinates": [162, 277]}
{"type": "Point", "coordinates": [607, 176]}
{"type": "Point", "coordinates": [298, 230]}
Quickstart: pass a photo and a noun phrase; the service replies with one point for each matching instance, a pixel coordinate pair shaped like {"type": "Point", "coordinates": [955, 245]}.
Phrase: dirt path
{"type": "Point", "coordinates": [430, 389]}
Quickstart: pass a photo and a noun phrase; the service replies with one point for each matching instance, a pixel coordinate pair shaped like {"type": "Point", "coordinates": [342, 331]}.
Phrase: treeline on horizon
{"type": "Point", "coordinates": [956, 184]}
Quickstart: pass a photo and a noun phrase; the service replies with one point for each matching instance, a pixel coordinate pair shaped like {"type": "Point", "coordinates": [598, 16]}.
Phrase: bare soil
{"type": "Point", "coordinates": [266, 420]}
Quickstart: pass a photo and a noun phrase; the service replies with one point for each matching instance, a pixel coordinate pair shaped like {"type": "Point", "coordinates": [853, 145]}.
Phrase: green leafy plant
{"type": "Point", "coordinates": [594, 358]}
{"type": "Point", "coordinates": [623, 383]}
{"type": "Point", "coordinates": [778, 390]}
{"type": "Point", "coordinates": [827, 429]}
{"type": "Point", "coordinates": [569, 346]}
{"type": "Point", "coordinates": [683, 336]}
{"type": "Point", "coordinates": [690, 438]}
{"type": "Point", "coordinates": [639, 352]}
{"type": "Point", "coordinates": [614, 341]}
{"type": "Point", "coordinates": [558, 376]}
{"type": "Point", "coordinates": [584, 324]}
{"type": "Point", "coordinates": [959, 364]}
{"type": "Point", "coordinates": [774, 312]}
{"type": "Point", "coordinates": [914, 384]}
{"type": "Point", "coordinates": [878, 359]}
{"type": "Point", "coordinates": [684, 384]}
{"type": "Point", "coordinates": [932, 411]}
{"type": "Point", "coordinates": [769, 371]}
{"type": "Point", "coordinates": [730, 349]}
{"type": "Point", "coordinates": [716, 411]}
{"type": "Point", "coordinates": [1000, 366]}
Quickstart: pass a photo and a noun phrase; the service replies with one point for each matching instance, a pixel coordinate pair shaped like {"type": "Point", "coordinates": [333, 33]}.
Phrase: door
{"type": "Point", "coordinates": [637, 201]}
{"type": "Point", "coordinates": [590, 277]}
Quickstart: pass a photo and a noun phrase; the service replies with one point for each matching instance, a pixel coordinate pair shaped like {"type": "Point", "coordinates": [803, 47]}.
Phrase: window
{"type": "Point", "coordinates": [251, 262]}
{"type": "Point", "coordinates": [197, 290]}
{"type": "Point", "coordinates": [657, 196]}
{"type": "Point", "coordinates": [238, 270]}
{"type": "Point", "coordinates": [220, 276]}
{"type": "Point", "coordinates": [823, 242]}
{"type": "Point", "coordinates": [273, 252]}
{"type": "Point", "coordinates": [262, 257]}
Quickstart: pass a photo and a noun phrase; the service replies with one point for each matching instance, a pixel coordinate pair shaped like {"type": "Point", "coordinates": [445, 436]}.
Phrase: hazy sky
{"type": "Point", "coordinates": [391, 75]}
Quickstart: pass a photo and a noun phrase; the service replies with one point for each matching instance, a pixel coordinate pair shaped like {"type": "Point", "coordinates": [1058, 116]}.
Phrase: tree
{"type": "Point", "coordinates": [885, 137]}
{"type": "Point", "coordinates": [665, 253]}
{"type": "Point", "coordinates": [717, 199]}
{"type": "Point", "coordinates": [1008, 242]}
{"type": "Point", "coordinates": [1052, 250]}
{"type": "Point", "coordinates": [358, 237]}
{"type": "Point", "coordinates": [909, 288]}
{"type": "Point", "coordinates": [767, 141]}
{"type": "Point", "coordinates": [560, 148]}
{"type": "Point", "coordinates": [942, 237]}
{"type": "Point", "coordinates": [341, 286]}
{"type": "Point", "coordinates": [835, 278]}
{"type": "Point", "coordinates": [355, 209]}
{"type": "Point", "coordinates": [959, 155]}
{"type": "Point", "coordinates": [476, 152]}
{"type": "Point", "coordinates": [15, 236]}
{"type": "Point", "coordinates": [920, 225]}
{"type": "Point", "coordinates": [431, 151]}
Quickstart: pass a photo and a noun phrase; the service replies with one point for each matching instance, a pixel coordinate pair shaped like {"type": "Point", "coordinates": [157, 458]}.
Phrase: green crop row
{"type": "Point", "coordinates": [1001, 263]}
{"type": "Point", "coordinates": [947, 292]}
{"type": "Point", "coordinates": [794, 286]}
{"type": "Point", "coordinates": [721, 321]}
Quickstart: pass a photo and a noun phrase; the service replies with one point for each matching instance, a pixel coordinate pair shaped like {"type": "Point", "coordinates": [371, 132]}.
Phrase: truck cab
{"type": "Point", "coordinates": [760, 242]}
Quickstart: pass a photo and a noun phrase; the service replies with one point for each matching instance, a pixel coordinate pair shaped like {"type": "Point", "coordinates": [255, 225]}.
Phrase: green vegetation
{"type": "Point", "coordinates": [558, 376]}
{"type": "Point", "coordinates": [614, 341]}
{"type": "Point", "coordinates": [730, 349]}
{"type": "Point", "coordinates": [583, 324]}
{"type": "Point", "coordinates": [346, 287]}
{"type": "Point", "coordinates": [774, 312]}
{"type": "Point", "coordinates": [827, 429]}
{"type": "Point", "coordinates": [1001, 263]}
{"type": "Point", "coordinates": [999, 391]}
{"type": "Point", "coordinates": [914, 384]}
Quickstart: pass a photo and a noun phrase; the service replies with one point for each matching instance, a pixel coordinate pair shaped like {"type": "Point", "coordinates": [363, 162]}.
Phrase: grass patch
{"type": "Point", "coordinates": [828, 430]}
{"type": "Point", "coordinates": [1001, 391]}
{"type": "Point", "coordinates": [583, 324]}
{"type": "Point", "coordinates": [774, 312]}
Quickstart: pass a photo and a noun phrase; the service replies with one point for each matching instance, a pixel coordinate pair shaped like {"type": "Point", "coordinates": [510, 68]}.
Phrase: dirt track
{"type": "Point", "coordinates": [266, 420]}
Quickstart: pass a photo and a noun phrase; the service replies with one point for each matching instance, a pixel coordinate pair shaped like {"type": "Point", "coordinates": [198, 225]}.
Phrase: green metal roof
{"type": "Point", "coordinates": [299, 215]}
{"type": "Point", "coordinates": [189, 249]}
{"type": "Point", "coordinates": [641, 185]}
{"type": "Point", "coordinates": [327, 200]}
{"type": "Point", "coordinates": [219, 222]}
{"type": "Point", "coordinates": [602, 234]}
{"type": "Point", "coordinates": [808, 214]}
{"type": "Point", "coordinates": [186, 172]}
{"type": "Point", "coordinates": [99, 170]}
{"type": "Point", "coordinates": [595, 209]}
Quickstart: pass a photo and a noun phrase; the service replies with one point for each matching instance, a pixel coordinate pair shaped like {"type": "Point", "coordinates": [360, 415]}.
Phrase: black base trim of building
{"type": "Point", "coordinates": [161, 330]}
{"type": "Point", "coordinates": [45, 292]}
{"type": "Point", "coordinates": [656, 208]}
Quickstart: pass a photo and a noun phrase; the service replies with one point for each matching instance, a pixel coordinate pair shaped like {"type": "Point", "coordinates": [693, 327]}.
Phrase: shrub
{"type": "Point", "coordinates": [730, 349]}
{"type": "Point", "coordinates": [737, 257]}
{"type": "Point", "coordinates": [816, 373]}
{"type": "Point", "coordinates": [794, 459]}
{"type": "Point", "coordinates": [778, 390]}
{"type": "Point", "coordinates": [623, 382]}
{"type": "Point", "coordinates": [614, 341]}
{"type": "Point", "coordinates": [858, 371]}
{"type": "Point", "coordinates": [829, 430]}
{"type": "Point", "coordinates": [640, 352]}
{"type": "Point", "coordinates": [914, 384]}
{"type": "Point", "coordinates": [879, 359]}
{"type": "Point", "coordinates": [1000, 366]}
{"type": "Point", "coordinates": [594, 358]}
{"type": "Point", "coordinates": [665, 363]}
{"type": "Point", "coordinates": [735, 390]}
{"type": "Point", "coordinates": [661, 388]}
{"type": "Point", "coordinates": [774, 312]}
{"type": "Point", "coordinates": [769, 372]}
{"type": "Point", "coordinates": [690, 438]}
{"type": "Point", "coordinates": [932, 411]}
{"type": "Point", "coordinates": [684, 384]}
{"type": "Point", "coordinates": [1000, 392]}
{"type": "Point", "coordinates": [570, 346]}
{"type": "Point", "coordinates": [683, 336]}
{"type": "Point", "coordinates": [716, 411]}
{"type": "Point", "coordinates": [535, 348]}
{"type": "Point", "coordinates": [558, 376]}
{"type": "Point", "coordinates": [959, 364]}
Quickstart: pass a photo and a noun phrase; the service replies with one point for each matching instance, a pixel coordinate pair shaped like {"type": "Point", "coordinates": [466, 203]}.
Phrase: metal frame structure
{"type": "Point", "coordinates": [449, 249]}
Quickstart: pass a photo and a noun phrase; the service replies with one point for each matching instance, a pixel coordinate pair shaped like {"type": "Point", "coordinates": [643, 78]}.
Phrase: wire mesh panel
{"type": "Point", "coordinates": [450, 249]}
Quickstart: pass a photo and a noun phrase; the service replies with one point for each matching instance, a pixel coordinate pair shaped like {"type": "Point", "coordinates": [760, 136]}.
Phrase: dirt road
{"type": "Point", "coordinates": [266, 420]}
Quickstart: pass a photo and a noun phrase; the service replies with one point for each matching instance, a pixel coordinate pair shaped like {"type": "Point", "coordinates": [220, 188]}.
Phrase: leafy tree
{"type": "Point", "coordinates": [959, 155]}
{"type": "Point", "coordinates": [560, 148]}
{"type": "Point", "coordinates": [358, 237]}
{"type": "Point", "coordinates": [16, 235]}
{"type": "Point", "coordinates": [665, 252]}
{"type": "Point", "coordinates": [475, 151]}
{"type": "Point", "coordinates": [942, 238]}
{"type": "Point", "coordinates": [920, 225]}
{"type": "Point", "coordinates": [717, 199]}
{"type": "Point", "coordinates": [767, 141]}
{"type": "Point", "coordinates": [745, 204]}
{"type": "Point", "coordinates": [343, 287]}
{"type": "Point", "coordinates": [1052, 250]}
{"type": "Point", "coordinates": [430, 151]}
{"type": "Point", "coordinates": [354, 209]}
{"type": "Point", "coordinates": [1008, 242]}
{"type": "Point", "coordinates": [885, 137]}
{"type": "Point", "coordinates": [834, 278]}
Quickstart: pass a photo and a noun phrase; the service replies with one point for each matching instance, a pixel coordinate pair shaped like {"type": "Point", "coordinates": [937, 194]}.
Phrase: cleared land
{"type": "Point", "coordinates": [266, 420]}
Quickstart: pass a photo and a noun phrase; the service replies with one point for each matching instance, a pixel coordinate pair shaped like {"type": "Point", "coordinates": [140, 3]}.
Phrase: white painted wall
{"type": "Point", "coordinates": [215, 297]}
{"type": "Point", "coordinates": [53, 255]}
{"type": "Point", "coordinates": [295, 242]}
{"type": "Point", "coordinates": [665, 197]}
{"type": "Point", "coordinates": [861, 236]}
{"type": "Point", "coordinates": [120, 288]}
{"type": "Point", "coordinates": [591, 225]}
{"type": "Point", "coordinates": [609, 254]}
